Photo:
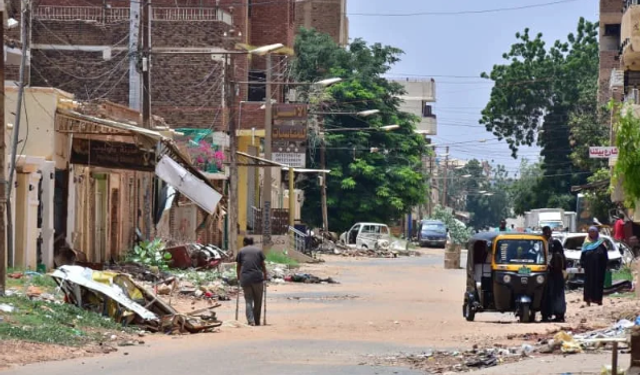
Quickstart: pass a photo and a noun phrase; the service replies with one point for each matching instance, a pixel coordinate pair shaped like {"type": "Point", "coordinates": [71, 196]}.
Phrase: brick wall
{"type": "Point", "coordinates": [608, 61]}
{"type": "Point", "coordinates": [83, 33]}
{"type": "Point", "coordinates": [610, 6]}
{"type": "Point", "coordinates": [85, 74]}
{"type": "Point", "coordinates": [188, 33]}
{"type": "Point", "coordinates": [272, 22]}
{"type": "Point", "coordinates": [323, 15]}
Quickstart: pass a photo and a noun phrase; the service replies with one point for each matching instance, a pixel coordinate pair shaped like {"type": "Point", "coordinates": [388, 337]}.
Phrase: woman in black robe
{"type": "Point", "coordinates": [555, 304]}
{"type": "Point", "coordinates": [594, 259]}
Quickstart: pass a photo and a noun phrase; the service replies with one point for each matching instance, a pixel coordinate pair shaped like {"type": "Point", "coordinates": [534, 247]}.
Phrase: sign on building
{"type": "Point", "coordinates": [289, 134]}
{"type": "Point", "coordinates": [117, 155]}
{"type": "Point", "coordinates": [603, 152]}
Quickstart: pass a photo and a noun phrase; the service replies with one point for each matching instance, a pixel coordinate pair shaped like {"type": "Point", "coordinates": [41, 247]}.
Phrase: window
{"type": "Point", "coordinates": [434, 228]}
{"type": "Point", "coordinates": [612, 30]}
{"type": "Point", "coordinates": [257, 92]}
{"type": "Point", "coordinates": [520, 252]}
{"type": "Point", "coordinates": [427, 110]}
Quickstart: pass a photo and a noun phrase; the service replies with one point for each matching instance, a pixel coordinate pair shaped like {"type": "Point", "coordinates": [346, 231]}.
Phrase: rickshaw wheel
{"type": "Point", "coordinates": [469, 314]}
{"type": "Point", "coordinates": [526, 316]}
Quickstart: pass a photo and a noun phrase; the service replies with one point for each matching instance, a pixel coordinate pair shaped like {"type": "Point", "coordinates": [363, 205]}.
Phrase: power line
{"type": "Point", "coordinates": [463, 12]}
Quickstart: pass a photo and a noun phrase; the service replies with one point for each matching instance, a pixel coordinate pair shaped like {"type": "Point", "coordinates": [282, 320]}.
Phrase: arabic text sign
{"type": "Point", "coordinates": [290, 111]}
{"type": "Point", "coordinates": [603, 152]}
{"type": "Point", "coordinates": [293, 159]}
{"type": "Point", "coordinates": [116, 155]}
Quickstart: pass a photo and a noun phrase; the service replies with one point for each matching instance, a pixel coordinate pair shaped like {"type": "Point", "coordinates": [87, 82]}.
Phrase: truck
{"type": "Point", "coordinates": [556, 218]}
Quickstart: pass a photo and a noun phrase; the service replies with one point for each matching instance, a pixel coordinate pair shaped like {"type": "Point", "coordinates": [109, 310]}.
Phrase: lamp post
{"type": "Point", "coordinates": [323, 161]}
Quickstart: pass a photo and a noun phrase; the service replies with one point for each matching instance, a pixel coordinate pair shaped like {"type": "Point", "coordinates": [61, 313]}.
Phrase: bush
{"type": "Point", "coordinates": [151, 254]}
{"type": "Point", "coordinates": [459, 233]}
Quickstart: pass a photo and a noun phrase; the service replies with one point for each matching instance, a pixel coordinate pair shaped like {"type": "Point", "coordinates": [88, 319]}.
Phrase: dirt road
{"type": "Point", "coordinates": [381, 307]}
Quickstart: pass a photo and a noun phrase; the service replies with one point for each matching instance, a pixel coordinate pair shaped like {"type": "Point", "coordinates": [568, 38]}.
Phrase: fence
{"type": "Point", "coordinates": [279, 221]}
{"type": "Point", "coordinates": [115, 14]}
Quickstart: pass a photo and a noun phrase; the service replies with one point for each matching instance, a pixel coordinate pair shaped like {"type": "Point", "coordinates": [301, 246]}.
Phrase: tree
{"type": "Point", "coordinates": [541, 96]}
{"type": "Point", "coordinates": [524, 191]}
{"type": "Point", "coordinates": [482, 193]}
{"type": "Point", "coordinates": [627, 169]}
{"type": "Point", "coordinates": [363, 185]}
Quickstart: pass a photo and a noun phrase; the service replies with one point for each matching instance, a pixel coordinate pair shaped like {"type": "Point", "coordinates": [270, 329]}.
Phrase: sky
{"type": "Point", "coordinates": [455, 49]}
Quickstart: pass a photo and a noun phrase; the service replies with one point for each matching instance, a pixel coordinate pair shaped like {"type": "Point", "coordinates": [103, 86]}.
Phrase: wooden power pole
{"type": "Point", "coordinates": [230, 101]}
{"type": "Point", "coordinates": [3, 174]}
{"type": "Point", "coordinates": [444, 189]}
{"type": "Point", "coordinates": [146, 65]}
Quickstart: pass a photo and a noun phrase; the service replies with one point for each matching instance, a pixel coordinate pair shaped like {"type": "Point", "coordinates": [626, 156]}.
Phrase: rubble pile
{"type": "Point", "coordinates": [118, 296]}
{"type": "Point", "coordinates": [331, 245]}
{"type": "Point", "coordinates": [279, 275]}
{"type": "Point", "coordinates": [564, 341]}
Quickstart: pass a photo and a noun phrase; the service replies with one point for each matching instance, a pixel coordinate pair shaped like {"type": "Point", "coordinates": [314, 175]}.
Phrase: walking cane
{"type": "Point", "coordinates": [264, 320]}
{"type": "Point", "coordinates": [237, 299]}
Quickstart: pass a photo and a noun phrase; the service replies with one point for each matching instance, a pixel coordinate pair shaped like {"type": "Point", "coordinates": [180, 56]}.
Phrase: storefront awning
{"type": "Point", "coordinates": [170, 165]}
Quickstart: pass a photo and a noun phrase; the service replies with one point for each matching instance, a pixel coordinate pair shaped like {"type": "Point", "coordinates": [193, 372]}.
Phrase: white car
{"type": "Point", "coordinates": [367, 236]}
{"type": "Point", "coordinates": [572, 243]}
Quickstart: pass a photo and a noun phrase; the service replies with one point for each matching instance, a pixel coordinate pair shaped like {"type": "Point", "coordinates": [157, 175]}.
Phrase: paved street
{"type": "Point", "coordinates": [382, 307]}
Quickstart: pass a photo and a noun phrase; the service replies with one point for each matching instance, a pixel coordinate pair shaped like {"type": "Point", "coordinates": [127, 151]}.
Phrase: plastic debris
{"type": "Point", "coordinates": [606, 370]}
{"type": "Point", "coordinates": [5, 308]}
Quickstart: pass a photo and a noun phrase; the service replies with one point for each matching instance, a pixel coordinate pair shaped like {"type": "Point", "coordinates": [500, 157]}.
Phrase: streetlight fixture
{"type": "Point", "coordinates": [389, 128]}
{"type": "Point", "coordinates": [265, 50]}
{"type": "Point", "coordinates": [368, 112]}
{"type": "Point", "coordinates": [466, 176]}
{"type": "Point", "coordinates": [328, 81]}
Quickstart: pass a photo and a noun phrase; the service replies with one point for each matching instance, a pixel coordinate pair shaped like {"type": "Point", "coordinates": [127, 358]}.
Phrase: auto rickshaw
{"type": "Point", "coordinates": [506, 272]}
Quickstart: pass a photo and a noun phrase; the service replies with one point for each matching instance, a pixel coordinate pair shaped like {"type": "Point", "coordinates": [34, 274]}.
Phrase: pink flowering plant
{"type": "Point", "coordinates": [206, 156]}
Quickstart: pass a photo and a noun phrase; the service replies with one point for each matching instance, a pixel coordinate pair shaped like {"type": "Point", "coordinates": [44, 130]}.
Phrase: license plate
{"type": "Point", "coordinates": [524, 271]}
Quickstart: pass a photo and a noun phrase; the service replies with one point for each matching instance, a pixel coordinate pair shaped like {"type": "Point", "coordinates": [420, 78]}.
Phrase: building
{"type": "Point", "coordinates": [326, 16]}
{"type": "Point", "coordinates": [420, 94]}
{"type": "Point", "coordinates": [85, 175]}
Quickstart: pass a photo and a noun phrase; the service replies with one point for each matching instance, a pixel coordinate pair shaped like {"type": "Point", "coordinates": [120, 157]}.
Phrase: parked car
{"type": "Point", "coordinates": [572, 243]}
{"type": "Point", "coordinates": [367, 236]}
{"type": "Point", "coordinates": [432, 233]}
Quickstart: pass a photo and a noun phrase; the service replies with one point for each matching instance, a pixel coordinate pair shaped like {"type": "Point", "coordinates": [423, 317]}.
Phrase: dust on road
{"type": "Point", "coordinates": [381, 306]}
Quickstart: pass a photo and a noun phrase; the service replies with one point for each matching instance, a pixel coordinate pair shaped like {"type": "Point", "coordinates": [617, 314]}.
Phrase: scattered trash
{"type": "Point", "coordinates": [309, 279]}
{"type": "Point", "coordinates": [606, 370]}
{"type": "Point", "coordinates": [118, 296]}
{"type": "Point", "coordinates": [5, 308]}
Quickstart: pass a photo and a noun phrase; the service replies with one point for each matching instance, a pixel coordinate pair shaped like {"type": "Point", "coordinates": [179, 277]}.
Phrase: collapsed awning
{"type": "Point", "coordinates": [170, 164]}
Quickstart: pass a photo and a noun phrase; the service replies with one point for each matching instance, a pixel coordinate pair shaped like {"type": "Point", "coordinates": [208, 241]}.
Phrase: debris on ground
{"type": "Point", "coordinates": [195, 255]}
{"type": "Point", "coordinates": [118, 296]}
{"type": "Point", "coordinates": [329, 243]}
{"type": "Point", "coordinates": [308, 279]}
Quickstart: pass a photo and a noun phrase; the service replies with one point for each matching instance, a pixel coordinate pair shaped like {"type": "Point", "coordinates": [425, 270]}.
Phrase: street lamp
{"type": "Point", "coordinates": [368, 112]}
{"type": "Point", "coordinates": [328, 81]}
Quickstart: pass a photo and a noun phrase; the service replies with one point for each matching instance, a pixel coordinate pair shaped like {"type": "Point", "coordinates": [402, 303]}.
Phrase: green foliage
{"type": "Point", "coordinates": [151, 254]}
{"type": "Point", "coordinates": [547, 96]}
{"type": "Point", "coordinates": [64, 324]}
{"type": "Point", "coordinates": [459, 233]}
{"type": "Point", "coordinates": [281, 258]}
{"type": "Point", "coordinates": [362, 186]}
{"type": "Point", "coordinates": [488, 208]}
{"type": "Point", "coordinates": [524, 191]}
{"type": "Point", "coordinates": [627, 131]}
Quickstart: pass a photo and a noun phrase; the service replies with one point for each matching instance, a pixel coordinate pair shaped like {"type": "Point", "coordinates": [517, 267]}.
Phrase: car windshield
{"type": "Point", "coordinates": [434, 228]}
{"type": "Point", "coordinates": [520, 252]}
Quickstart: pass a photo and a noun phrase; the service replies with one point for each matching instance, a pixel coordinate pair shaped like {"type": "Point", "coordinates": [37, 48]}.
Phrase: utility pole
{"type": "Point", "coordinates": [3, 175]}
{"type": "Point", "coordinates": [134, 49]}
{"type": "Point", "coordinates": [446, 168]}
{"type": "Point", "coordinates": [323, 187]}
{"type": "Point", "coordinates": [146, 65]}
{"type": "Point", "coordinates": [230, 95]}
{"type": "Point", "coordinates": [266, 191]}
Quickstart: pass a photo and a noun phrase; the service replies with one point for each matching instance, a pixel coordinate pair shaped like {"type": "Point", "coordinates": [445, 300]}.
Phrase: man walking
{"type": "Point", "coordinates": [252, 272]}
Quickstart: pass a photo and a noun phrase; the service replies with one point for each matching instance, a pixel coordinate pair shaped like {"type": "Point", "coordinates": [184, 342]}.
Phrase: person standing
{"type": "Point", "coordinates": [594, 259]}
{"type": "Point", "coordinates": [503, 226]}
{"type": "Point", "coordinates": [555, 304]}
{"type": "Point", "coordinates": [252, 272]}
{"type": "Point", "coordinates": [618, 229]}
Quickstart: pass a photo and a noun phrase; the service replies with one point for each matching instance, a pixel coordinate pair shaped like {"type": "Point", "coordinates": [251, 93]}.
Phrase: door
{"type": "Point", "coordinates": [114, 228]}
{"type": "Point", "coordinates": [353, 233]}
{"type": "Point", "coordinates": [100, 239]}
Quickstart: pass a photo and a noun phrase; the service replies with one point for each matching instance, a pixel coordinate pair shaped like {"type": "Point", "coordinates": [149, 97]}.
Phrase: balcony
{"type": "Point", "coordinates": [427, 126]}
{"type": "Point", "coordinates": [630, 35]}
{"type": "Point", "coordinates": [418, 89]}
{"type": "Point", "coordinates": [117, 14]}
